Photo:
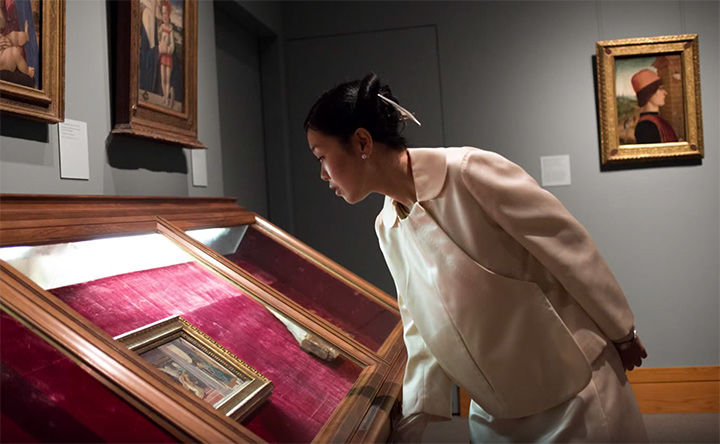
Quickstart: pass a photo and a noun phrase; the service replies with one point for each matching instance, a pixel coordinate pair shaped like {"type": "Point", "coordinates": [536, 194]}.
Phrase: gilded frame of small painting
{"type": "Point", "coordinates": [193, 359]}
{"type": "Point", "coordinates": [32, 64]}
{"type": "Point", "coordinates": [156, 70]}
{"type": "Point", "coordinates": [649, 99]}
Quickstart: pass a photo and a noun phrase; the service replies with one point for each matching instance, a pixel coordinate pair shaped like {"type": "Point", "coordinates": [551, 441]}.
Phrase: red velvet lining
{"type": "Point", "coordinates": [306, 391]}
{"type": "Point", "coordinates": [46, 397]}
{"type": "Point", "coordinates": [308, 285]}
{"type": "Point", "coordinates": [11, 432]}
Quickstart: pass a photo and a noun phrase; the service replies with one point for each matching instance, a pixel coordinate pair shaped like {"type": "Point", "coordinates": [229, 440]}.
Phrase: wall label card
{"type": "Point", "coordinates": [74, 155]}
{"type": "Point", "coordinates": [555, 170]}
{"type": "Point", "coordinates": [199, 168]}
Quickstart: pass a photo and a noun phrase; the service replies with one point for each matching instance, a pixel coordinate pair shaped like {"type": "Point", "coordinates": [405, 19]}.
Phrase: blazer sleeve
{"type": "Point", "coordinates": [540, 223]}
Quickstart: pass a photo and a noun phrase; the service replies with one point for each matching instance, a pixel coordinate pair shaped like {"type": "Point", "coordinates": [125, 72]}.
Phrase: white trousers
{"type": "Point", "coordinates": [604, 411]}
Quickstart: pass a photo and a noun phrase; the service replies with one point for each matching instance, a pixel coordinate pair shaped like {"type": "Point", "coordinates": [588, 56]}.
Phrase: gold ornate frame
{"type": "Point", "coordinates": [140, 118]}
{"type": "Point", "coordinates": [46, 104]}
{"type": "Point", "coordinates": [612, 151]}
{"type": "Point", "coordinates": [238, 404]}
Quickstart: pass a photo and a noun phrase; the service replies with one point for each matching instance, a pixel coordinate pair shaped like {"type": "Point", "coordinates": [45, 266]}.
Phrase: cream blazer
{"type": "Point", "coordinates": [500, 289]}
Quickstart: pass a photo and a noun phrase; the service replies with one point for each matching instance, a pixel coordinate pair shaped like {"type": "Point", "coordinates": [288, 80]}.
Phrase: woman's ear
{"type": "Point", "coordinates": [363, 141]}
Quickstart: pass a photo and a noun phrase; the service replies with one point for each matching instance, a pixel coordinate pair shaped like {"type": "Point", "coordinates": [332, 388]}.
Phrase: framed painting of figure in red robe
{"type": "Point", "coordinates": [32, 59]}
{"type": "Point", "coordinates": [649, 99]}
{"type": "Point", "coordinates": [156, 70]}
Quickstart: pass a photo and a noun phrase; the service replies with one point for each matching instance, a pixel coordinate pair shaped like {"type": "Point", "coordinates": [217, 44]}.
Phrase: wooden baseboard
{"type": "Point", "coordinates": [677, 389]}
{"type": "Point", "coordinates": [665, 390]}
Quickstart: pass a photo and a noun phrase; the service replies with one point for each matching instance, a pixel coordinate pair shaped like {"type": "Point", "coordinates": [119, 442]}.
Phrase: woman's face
{"type": "Point", "coordinates": [340, 166]}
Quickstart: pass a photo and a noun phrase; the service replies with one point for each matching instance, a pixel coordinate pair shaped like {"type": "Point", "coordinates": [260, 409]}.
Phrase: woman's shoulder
{"type": "Point", "coordinates": [452, 154]}
{"type": "Point", "coordinates": [460, 157]}
{"type": "Point", "coordinates": [456, 161]}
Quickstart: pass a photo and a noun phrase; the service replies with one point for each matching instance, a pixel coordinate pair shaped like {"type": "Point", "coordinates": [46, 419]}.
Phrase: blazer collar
{"type": "Point", "coordinates": [429, 169]}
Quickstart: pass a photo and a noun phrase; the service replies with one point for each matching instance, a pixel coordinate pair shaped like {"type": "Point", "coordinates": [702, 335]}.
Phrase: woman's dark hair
{"type": "Point", "coordinates": [352, 105]}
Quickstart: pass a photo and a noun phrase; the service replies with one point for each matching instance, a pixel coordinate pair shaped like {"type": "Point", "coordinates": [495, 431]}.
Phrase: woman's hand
{"type": "Point", "coordinates": [631, 353]}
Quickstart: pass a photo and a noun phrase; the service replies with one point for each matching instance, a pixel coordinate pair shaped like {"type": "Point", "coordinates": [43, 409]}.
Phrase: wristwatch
{"type": "Point", "coordinates": [625, 343]}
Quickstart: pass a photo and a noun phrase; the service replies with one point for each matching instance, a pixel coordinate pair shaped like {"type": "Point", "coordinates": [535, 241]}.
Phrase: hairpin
{"type": "Point", "coordinates": [405, 114]}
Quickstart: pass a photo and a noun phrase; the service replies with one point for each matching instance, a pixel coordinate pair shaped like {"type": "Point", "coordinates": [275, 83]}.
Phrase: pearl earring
{"type": "Point", "coordinates": [364, 156]}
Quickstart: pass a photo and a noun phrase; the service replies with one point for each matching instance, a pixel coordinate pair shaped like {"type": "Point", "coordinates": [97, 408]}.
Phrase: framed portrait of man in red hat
{"type": "Point", "coordinates": [649, 99]}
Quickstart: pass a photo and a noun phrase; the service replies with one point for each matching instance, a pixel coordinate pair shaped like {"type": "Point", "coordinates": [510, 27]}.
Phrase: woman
{"type": "Point", "coordinates": [500, 289]}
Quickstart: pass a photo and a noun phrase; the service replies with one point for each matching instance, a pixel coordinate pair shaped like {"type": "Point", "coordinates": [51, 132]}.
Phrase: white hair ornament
{"type": "Point", "coordinates": [405, 114]}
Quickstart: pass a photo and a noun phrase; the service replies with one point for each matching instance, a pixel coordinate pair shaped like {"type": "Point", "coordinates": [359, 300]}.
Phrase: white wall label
{"type": "Point", "coordinates": [555, 170]}
{"type": "Point", "coordinates": [199, 168]}
{"type": "Point", "coordinates": [74, 156]}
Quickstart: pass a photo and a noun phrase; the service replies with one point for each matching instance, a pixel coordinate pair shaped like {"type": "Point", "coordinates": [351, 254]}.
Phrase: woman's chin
{"type": "Point", "coordinates": [345, 197]}
{"type": "Point", "coordinates": [352, 200]}
{"type": "Point", "coordinates": [349, 200]}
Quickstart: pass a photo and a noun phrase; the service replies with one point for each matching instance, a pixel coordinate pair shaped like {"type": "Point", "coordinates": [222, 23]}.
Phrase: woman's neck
{"type": "Point", "coordinates": [396, 178]}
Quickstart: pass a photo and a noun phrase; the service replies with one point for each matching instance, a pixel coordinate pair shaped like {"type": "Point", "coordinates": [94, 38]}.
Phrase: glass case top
{"type": "Point", "coordinates": [58, 265]}
{"type": "Point", "coordinates": [361, 316]}
{"type": "Point", "coordinates": [126, 283]}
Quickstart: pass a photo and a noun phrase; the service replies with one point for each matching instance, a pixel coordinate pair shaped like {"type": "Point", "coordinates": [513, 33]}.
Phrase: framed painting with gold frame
{"type": "Point", "coordinates": [156, 70]}
{"type": "Point", "coordinates": [205, 368]}
{"type": "Point", "coordinates": [649, 99]}
{"type": "Point", "coordinates": [32, 67]}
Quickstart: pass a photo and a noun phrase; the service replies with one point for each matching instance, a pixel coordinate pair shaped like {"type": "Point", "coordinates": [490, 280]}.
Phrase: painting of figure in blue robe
{"type": "Point", "coordinates": [162, 61]}
{"type": "Point", "coordinates": [19, 47]}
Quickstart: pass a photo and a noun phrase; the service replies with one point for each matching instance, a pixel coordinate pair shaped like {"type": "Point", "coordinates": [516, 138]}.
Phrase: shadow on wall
{"type": "Point", "coordinates": [131, 153]}
{"type": "Point", "coordinates": [26, 153]}
{"type": "Point", "coordinates": [24, 129]}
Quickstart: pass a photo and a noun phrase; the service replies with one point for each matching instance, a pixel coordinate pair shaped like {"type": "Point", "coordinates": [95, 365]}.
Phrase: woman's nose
{"type": "Point", "coordinates": [323, 174]}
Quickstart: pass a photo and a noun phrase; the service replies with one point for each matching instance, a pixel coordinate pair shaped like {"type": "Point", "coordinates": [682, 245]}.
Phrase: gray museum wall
{"type": "Point", "coordinates": [129, 166]}
{"type": "Point", "coordinates": [513, 77]}
{"type": "Point", "coordinates": [264, 19]}
{"type": "Point", "coordinates": [517, 78]}
{"type": "Point", "coordinates": [240, 100]}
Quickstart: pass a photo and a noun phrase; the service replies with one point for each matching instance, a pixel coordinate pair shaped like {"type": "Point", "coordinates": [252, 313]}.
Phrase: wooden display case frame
{"type": "Point", "coordinates": [363, 415]}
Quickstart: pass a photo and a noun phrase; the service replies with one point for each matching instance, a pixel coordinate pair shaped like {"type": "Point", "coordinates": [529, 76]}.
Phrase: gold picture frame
{"type": "Point", "coordinates": [156, 70]}
{"type": "Point", "coordinates": [193, 359]}
{"type": "Point", "coordinates": [32, 76]}
{"type": "Point", "coordinates": [649, 99]}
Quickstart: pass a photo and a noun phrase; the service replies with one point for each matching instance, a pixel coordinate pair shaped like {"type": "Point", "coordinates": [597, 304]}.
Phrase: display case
{"type": "Point", "coordinates": [80, 273]}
